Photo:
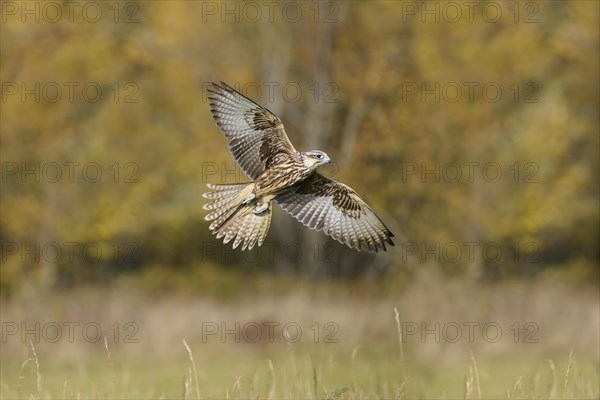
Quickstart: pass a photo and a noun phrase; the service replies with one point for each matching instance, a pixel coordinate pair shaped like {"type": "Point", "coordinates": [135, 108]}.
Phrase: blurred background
{"type": "Point", "coordinates": [471, 128]}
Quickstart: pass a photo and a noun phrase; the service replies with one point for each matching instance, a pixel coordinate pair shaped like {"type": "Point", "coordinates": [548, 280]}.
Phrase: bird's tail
{"type": "Point", "coordinates": [235, 214]}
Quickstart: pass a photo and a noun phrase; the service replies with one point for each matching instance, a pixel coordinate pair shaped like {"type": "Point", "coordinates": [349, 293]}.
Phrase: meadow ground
{"type": "Point", "coordinates": [450, 340]}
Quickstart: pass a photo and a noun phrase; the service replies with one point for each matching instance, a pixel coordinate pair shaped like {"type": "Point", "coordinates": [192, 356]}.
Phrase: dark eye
{"type": "Point", "coordinates": [319, 156]}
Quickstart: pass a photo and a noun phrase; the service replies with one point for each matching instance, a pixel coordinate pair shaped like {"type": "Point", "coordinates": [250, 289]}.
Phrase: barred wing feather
{"type": "Point", "coordinates": [257, 138]}
{"type": "Point", "coordinates": [324, 204]}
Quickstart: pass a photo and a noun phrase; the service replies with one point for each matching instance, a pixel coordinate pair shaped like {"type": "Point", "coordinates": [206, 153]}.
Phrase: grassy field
{"type": "Point", "coordinates": [449, 340]}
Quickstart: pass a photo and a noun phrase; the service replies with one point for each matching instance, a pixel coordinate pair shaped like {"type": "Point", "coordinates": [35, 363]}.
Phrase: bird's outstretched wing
{"type": "Point", "coordinates": [256, 136]}
{"type": "Point", "coordinates": [336, 209]}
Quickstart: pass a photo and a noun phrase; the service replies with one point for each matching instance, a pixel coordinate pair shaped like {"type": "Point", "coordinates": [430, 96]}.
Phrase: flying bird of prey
{"type": "Point", "coordinates": [280, 173]}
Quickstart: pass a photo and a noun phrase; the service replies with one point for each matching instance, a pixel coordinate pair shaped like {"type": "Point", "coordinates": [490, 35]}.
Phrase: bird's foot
{"type": "Point", "coordinates": [249, 198]}
{"type": "Point", "coordinates": [260, 207]}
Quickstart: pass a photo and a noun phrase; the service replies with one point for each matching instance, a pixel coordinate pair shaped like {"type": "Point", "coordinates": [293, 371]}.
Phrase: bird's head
{"type": "Point", "coordinates": [314, 159]}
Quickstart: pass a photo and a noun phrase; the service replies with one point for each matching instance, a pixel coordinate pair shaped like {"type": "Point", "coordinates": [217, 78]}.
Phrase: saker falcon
{"type": "Point", "coordinates": [260, 146]}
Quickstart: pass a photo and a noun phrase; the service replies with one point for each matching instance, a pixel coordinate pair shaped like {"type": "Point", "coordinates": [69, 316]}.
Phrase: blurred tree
{"type": "Point", "coordinates": [378, 89]}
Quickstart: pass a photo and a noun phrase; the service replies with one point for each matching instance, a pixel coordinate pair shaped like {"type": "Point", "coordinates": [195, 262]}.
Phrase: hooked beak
{"type": "Point", "coordinates": [327, 160]}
